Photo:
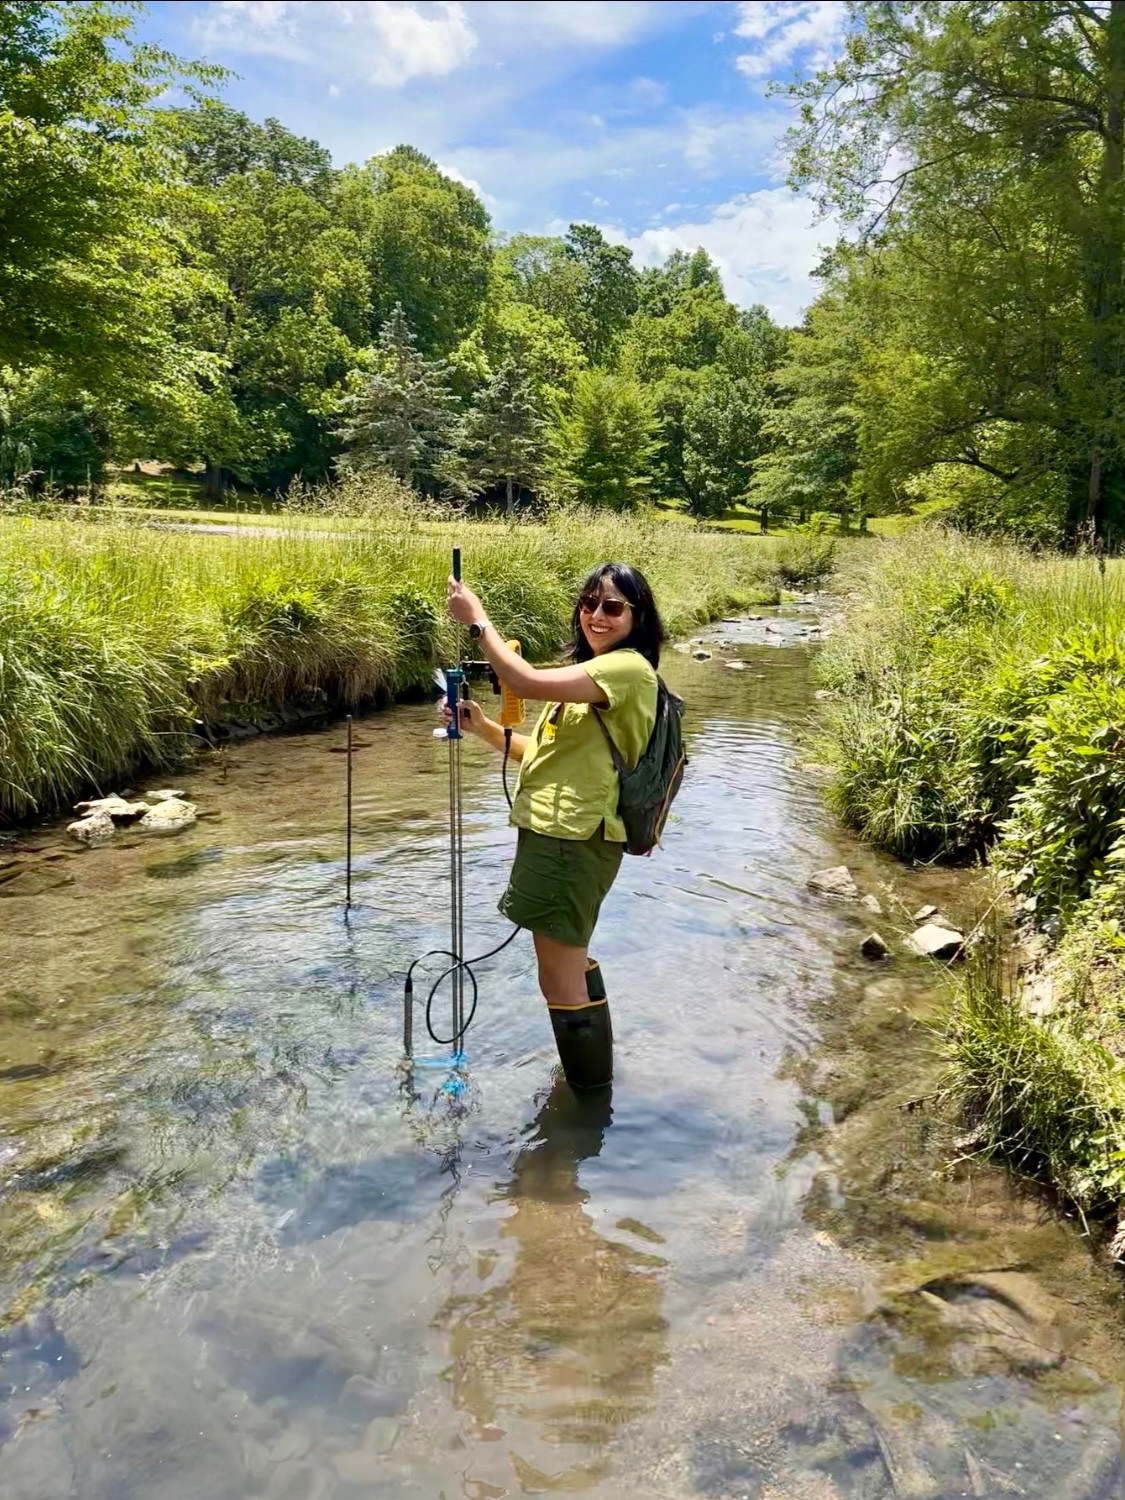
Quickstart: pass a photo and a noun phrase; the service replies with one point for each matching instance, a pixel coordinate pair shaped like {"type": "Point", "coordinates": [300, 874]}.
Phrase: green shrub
{"type": "Point", "coordinates": [1067, 817]}
{"type": "Point", "coordinates": [804, 559]}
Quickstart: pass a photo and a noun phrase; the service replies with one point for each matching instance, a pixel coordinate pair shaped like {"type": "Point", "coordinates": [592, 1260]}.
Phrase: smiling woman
{"type": "Point", "coordinates": [571, 837]}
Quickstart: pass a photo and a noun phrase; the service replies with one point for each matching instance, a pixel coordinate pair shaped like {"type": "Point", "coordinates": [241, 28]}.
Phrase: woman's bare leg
{"type": "Point", "coordinates": [562, 971]}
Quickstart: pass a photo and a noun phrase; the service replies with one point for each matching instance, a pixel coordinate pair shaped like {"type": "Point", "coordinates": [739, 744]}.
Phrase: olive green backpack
{"type": "Point", "coordinates": [647, 791]}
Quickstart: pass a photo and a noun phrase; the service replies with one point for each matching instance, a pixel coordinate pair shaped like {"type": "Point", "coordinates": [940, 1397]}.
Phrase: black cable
{"type": "Point", "coordinates": [463, 963]}
{"type": "Point", "coordinates": [504, 762]}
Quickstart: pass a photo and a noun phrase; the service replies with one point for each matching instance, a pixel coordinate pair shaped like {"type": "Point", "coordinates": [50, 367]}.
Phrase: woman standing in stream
{"type": "Point", "coordinates": [571, 838]}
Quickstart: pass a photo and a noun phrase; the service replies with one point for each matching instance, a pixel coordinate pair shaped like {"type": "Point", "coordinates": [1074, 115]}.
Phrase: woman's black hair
{"type": "Point", "coordinates": [647, 635]}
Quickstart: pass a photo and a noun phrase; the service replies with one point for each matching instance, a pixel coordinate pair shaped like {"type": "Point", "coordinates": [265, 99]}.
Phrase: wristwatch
{"type": "Point", "coordinates": [477, 629]}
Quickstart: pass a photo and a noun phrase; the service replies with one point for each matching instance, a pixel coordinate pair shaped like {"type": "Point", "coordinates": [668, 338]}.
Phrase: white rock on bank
{"type": "Point", "coordinates": [872, 905]}
{"type": "Point", "coordinates": [873, 946]}
{"type": "Point", "coordinates": [932, 941]}
{"type": "Point", "coordinates": [835, 882]}
{"type": "Point", "coordinates": [169, 816]}
{"type": "Point", "coordinates": [166, 794]}
{"type": "Point", "coordinates": [112, 807]}
{"type": "Point", "coordinates": [735, 666]}
{"type": "Point", "coordinates": [96, 829]}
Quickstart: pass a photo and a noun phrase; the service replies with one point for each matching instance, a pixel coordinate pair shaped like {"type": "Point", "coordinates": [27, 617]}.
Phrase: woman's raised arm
{"type": "Point", "coordinates": [546, 684]}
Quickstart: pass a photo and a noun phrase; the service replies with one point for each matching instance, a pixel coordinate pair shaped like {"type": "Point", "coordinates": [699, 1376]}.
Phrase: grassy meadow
{"type": "Point", "coordinates": [116, 638]}
{"type": "Point", "coordinates": [978, 713]}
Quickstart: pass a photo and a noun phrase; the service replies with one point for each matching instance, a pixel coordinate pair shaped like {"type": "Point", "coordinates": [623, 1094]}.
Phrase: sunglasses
{"type": "Point", "coordinates": [613, 609]}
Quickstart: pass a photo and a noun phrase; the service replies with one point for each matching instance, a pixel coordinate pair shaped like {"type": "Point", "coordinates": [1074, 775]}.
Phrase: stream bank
{"type": "Point", "coordinates": [244, 1254]}
{"type": "Point", "coordinates": [975, 711]}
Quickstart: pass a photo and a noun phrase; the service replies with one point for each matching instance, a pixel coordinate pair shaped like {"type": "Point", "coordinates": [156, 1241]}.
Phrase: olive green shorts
{"type": "Point", "coordinates": [557, 886]}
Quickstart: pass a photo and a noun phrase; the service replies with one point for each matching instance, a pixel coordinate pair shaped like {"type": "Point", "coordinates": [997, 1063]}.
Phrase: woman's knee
{"type": "Point", "coordinates": [561, 972]}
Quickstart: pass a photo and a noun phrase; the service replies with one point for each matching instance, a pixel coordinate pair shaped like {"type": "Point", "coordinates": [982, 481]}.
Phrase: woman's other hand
{"type": "Point", "coordinates": [473, 720]}
{"type": "Point", "coordinates": [463, 604]}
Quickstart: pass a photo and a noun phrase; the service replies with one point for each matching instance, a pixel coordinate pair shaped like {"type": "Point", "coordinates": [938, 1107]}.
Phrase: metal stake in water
{"type": "Point", "coordinates": [348, 857]}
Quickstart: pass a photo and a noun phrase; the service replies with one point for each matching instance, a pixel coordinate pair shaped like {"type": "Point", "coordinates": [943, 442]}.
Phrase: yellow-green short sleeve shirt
{"type": "Point", "coordinates": [568, 786]}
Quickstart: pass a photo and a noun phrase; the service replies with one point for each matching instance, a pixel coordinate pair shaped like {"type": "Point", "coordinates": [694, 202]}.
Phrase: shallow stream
{"type": "Point", "coordinates": [243, 1253]}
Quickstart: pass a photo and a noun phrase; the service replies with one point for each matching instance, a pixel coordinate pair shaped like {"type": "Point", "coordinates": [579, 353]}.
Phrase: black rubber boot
{"type": "Point", "coordinates": [584, 1036]}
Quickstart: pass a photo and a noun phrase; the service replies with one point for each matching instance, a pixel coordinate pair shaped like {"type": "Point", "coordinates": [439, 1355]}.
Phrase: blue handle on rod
{"type": "Point", "coordinates": [455, 676]}
{"type": "Point", "coordinates": [453, 680]}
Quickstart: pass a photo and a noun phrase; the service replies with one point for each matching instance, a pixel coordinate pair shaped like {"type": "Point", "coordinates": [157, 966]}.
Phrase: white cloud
{"type": "Point", "coordinates": [268, 28]}
{"type": "Point", "coordinates": [766, 245]}
{"type": "Point", "coordinates": [412, 44]}
{"type": "Point", "coordinates": [470, 182]}
{"type": "Point", "coordinates": [388, 42]}
{"type": "Point", "coordinates": [646, 93]}
{"type": "Point", "coordinates": [783, 28]}
{"type": "Point", "coordinates": [594, 22]}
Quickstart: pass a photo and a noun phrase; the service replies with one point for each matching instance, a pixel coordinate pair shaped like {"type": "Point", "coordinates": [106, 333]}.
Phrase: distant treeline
{"type": "Point", "coordinates": [189, 285]}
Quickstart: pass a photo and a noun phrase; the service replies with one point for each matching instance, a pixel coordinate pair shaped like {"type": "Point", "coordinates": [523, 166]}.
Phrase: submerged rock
{"type": "Point", "coordinates": [701, 655]}
{"type": "Point", "coordinates": [170, 816]}
{"type": "Point", "coordinates": [98, 828]}
{"type": "Point", "coordinates": [874, 947]}
{"type": "Point", "coordinates": [166, 794]}
{"type": "Point", "coordinates": [932, 941]}
{"type": "Point", "coordinates": [835, 882]}
{"type": "Point", "coordinates": [735, 666]}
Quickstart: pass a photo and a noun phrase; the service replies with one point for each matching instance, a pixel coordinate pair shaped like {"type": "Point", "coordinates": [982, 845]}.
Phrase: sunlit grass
{"type": "Point", "coordinates": [114, 636]}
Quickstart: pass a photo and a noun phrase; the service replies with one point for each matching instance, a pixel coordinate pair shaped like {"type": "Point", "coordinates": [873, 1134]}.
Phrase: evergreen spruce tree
{"type": "Point", "coordinates": [502, 439]}
{"type": "Point", "coordinates": [404, 418]}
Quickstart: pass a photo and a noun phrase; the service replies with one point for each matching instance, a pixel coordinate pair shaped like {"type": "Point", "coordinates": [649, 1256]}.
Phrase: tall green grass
{"type": "Point", "coordinates": [114, 637]}
{"type": "Point", "coordinates": [978, 713]}
{"type": "Point", "coordinates": [1048, 1093]}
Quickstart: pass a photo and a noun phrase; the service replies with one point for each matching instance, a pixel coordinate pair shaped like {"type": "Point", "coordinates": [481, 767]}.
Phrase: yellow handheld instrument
{"type": "Point", "coordinates": [511, 707]}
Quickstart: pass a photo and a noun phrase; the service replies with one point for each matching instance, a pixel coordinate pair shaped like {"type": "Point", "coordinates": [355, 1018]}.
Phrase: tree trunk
{"type": "Point", "coordinates": [1104, 260]}
{"type": "Point", "coordinates": [510, 504]}
{"type": "Point", "coordinates": [214, 484]}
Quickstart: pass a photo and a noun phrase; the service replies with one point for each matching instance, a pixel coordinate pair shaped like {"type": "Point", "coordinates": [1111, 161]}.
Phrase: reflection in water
{"type": "Point", "coordinates": [568, 1336]}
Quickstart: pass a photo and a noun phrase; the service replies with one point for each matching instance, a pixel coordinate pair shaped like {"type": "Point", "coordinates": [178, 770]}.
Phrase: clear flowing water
{"type": "Point", "coordinates": [245, 1253]}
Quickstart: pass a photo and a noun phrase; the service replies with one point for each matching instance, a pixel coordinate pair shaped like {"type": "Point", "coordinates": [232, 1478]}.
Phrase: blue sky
{"type": "Point", "coordinates": [650, 118]}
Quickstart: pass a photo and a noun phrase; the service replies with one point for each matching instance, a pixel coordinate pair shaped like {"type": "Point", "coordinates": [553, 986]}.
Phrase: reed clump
{"type": "Point", "coordinates": [115, 638]}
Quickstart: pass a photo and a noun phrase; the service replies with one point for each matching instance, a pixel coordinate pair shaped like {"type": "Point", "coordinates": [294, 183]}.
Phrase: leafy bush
{"type": "Point", "coordinates": [804, 559]}
{"type": "Point", "coordinates": [1067, 818]}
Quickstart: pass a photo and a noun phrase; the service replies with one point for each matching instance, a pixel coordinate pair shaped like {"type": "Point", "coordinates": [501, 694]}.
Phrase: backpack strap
{"type": "Point", "coordinates": [618, 759]}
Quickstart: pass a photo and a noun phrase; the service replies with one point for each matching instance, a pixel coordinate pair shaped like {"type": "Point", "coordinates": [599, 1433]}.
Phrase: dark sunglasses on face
{"type": "Point", "coordinates": [613, 609]}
